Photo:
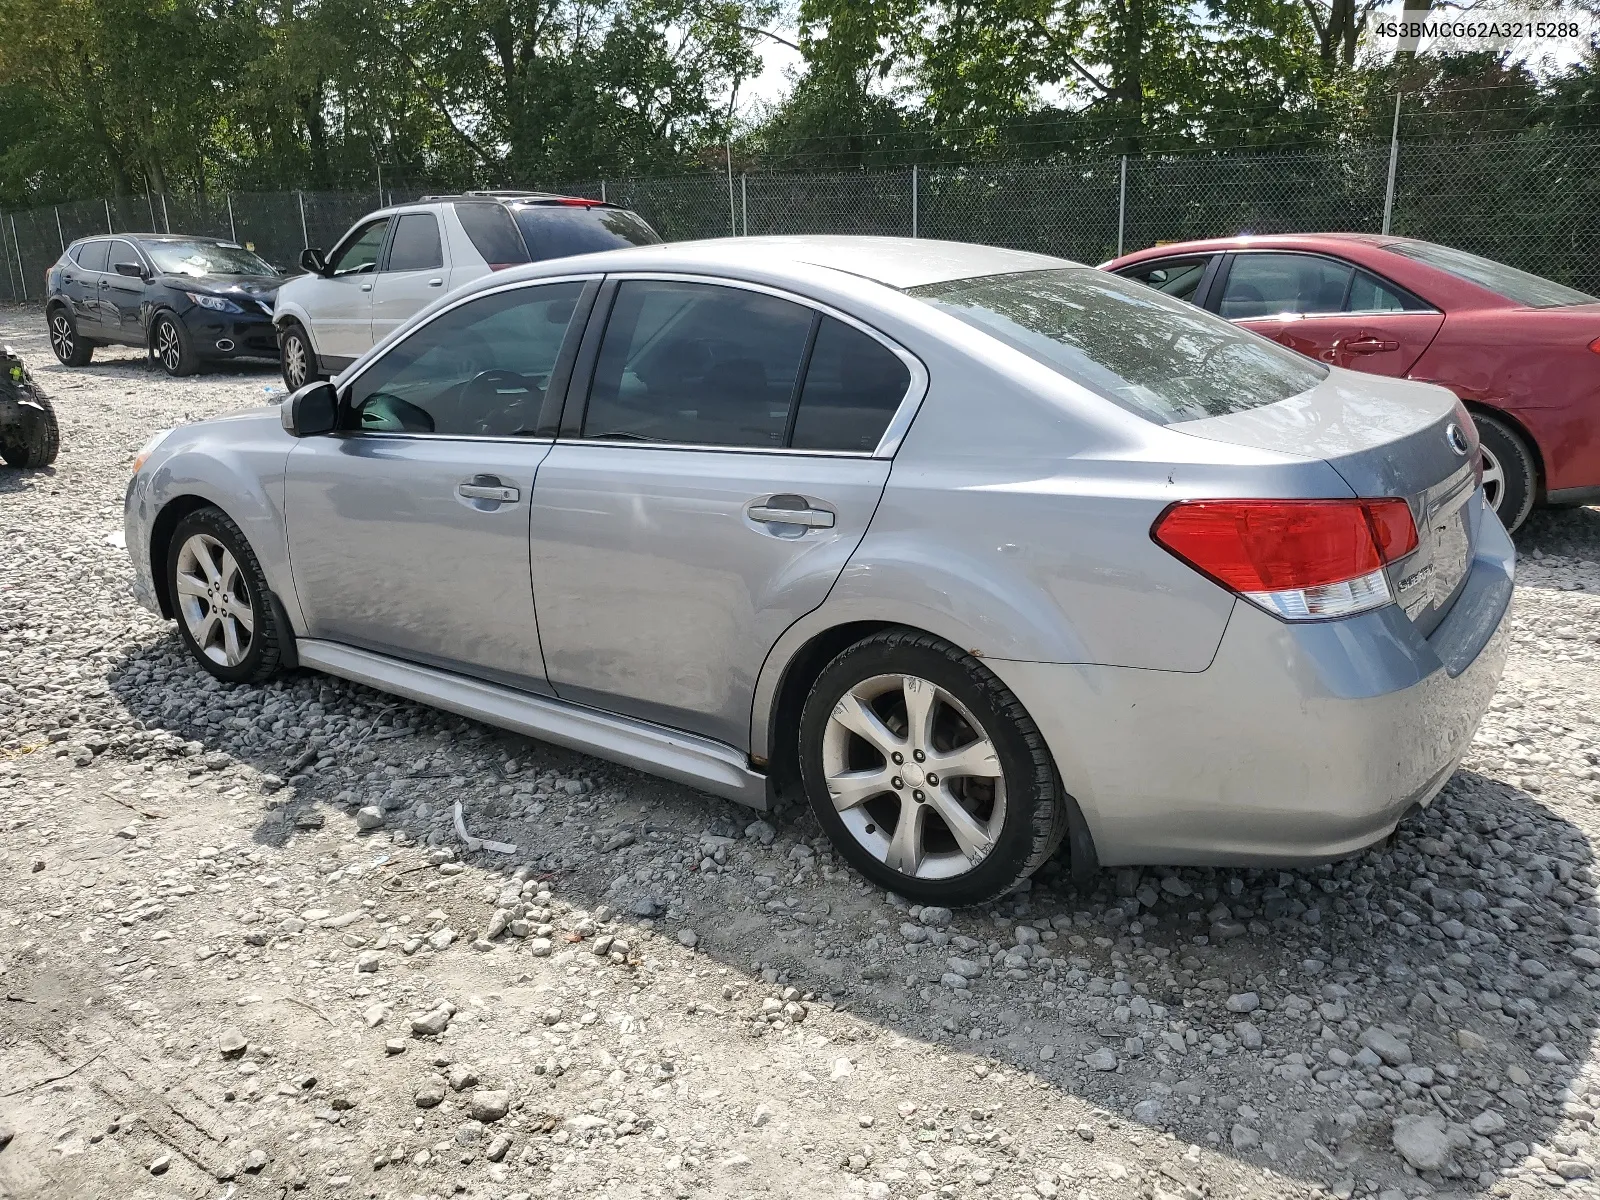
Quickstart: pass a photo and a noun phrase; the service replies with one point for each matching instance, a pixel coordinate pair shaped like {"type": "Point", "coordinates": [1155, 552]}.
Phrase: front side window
{"type": "Point", "coordinates": [479, 370]}
{"type": "Point", "coordinates": [1269, 285]}
{"type": "Point", "coordinates": [359, 253]}
{"type": "Point", "coordinates": [416, 243]}
{"type": "Point", "coordinates": [1158, 357]}
{"type": "Point", "coordinates": [123, 252]}
{"type": "Point", "coordinates": [92, 256]}
{"type": "Point", "coordinates": [697, 363]}
{"type": "Point", "coordinates": [1520, 287]}
{"type": "Point", "coordinates": [1178, 277]}
{"type": "Point", "coordinates": [181, 256]}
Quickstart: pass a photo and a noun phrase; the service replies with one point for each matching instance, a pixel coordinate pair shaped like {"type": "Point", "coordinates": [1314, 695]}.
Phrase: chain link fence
{"type": "Point", "coordinates": [1530, 199]}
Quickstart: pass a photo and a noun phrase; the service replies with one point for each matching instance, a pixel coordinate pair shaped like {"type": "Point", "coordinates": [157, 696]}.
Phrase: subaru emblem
{"type": "Point", "coordinates": [1457, 439]}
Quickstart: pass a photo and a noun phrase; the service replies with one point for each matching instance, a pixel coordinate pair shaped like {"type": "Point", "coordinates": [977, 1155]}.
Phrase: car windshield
{"type": "Point", "coordinates": [1520, 287]}
{"type": "Point", "coordinates": [205, 258]}
{"type": "Point", "coordinates": [1156, 356]}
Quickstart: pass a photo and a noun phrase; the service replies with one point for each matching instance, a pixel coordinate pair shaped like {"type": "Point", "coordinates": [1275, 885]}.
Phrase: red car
{"type": "Point", "coordinates": [1522, 352]}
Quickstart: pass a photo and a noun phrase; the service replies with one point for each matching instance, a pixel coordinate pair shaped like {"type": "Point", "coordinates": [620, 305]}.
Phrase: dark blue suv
{"type": "Point", "coordinates": [187, 300]}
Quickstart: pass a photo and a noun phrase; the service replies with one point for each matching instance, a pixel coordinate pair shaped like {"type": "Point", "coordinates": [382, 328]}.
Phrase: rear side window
{"type": "Point", "coordinates": [557, 230]}
{"type": "Point", "coordinates": [853, 386]}
{"type": "Point", "coordinates": [92, 255]}
{"type": "Point", "coordinates": [1158, 357]}
{"type": "Point", "coordinates": [415, 246]}
{"type": "Point", "coordinates": [1369, 294]}
{"type": "Point", "coordinates": [1175, 276]}
{"type": "Point", "coordinates": [493, 233]}
{"type": "Point", "coordinates": [697, 363]}
{"type": "Point", "coordinates": [1520, 287]}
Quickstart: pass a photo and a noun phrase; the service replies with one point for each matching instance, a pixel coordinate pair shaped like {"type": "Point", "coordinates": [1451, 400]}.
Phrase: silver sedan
{"type": "Point", "coordinates": [980, 551]}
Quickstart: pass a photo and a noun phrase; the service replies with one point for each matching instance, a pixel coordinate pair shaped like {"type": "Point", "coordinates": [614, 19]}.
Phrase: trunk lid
{"type": "Point", "coordinates": [1385, 437]}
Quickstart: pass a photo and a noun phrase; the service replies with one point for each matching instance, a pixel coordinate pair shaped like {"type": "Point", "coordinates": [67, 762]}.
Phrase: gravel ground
{"type": "Point", "coordinates": [243, 952]}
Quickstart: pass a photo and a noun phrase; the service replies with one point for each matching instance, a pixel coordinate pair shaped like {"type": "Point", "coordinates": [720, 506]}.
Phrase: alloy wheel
{"type": "Point", "coordinates": [168, 348]}
{"type": "Point", "coordinates": [214, 600]}
{"type": "Point", "coordinates": [294, 361]}
{"type": "Point", "coordinates": [1494, 479]}
{"type": "Point", "coordinates": [914, 777]}
{"type": "Point", "coordinates": [62, 340]}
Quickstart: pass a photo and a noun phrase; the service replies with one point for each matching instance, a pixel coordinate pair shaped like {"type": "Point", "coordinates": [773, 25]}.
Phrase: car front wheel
{"type": "Point", "coordinates": [220, 596]}
{"type": "Point", "coordinates": [296, 358]}
{"type": "Point", "coordinates": [926, 771]}
{"type": "Point", "coordinates": [1509, 476]}
{"type": "Point", "coordinates": [69, 347]}
{"type": "Point", "coordinates": [173, 348]}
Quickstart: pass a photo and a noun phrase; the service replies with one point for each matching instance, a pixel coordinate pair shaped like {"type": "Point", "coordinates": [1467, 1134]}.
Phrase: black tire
{"type": "Point", "coordinates": [263, 655]}
{"type": "Point", "coordinates": [172, 346]}
{"type": "Point", "coordinates": [1512, 495]}
{"type": "Point", "coordinates": [297, 361]}
{"type": "Point", "coordinates": [70, 347]}
{"type": "Point", "coordinates": [35, 439]}
{"type": "Point", "coordinates": [1034, 818]}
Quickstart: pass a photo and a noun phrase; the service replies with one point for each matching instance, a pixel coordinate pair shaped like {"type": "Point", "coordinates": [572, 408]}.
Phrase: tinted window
{"type": "Point", "coordinates": [416, 243]}
{"type": "Point", "coordinates": [92, 255]}
{"type": "Point", "coordinates": [477, 371]}
{"type": "Point", "coordinates": [1175, 276]}
{"type": "Point", "coordinates": [1264, 285]}
{"type": "Point", "coordinates": [1368, 293]}
{"type": "Point", "coordinates": [493, 233]}
{"type": "Point", "coordinates": [1520, 287]}
{"type": "Point", "coordinates": [556, 230]}
{"type": "Point", "coordinates": [123, 252]}
{"type": "Point", "coordinates": [360, 252]}
{"type": "Point", "coordinates": [182, 256]}
{"type": "Point", "coordinates": [1158, 357]}
{"type": "Point", "coordinates": [697, 363]}
{"type": "Point", "coordinates": [853, 386]}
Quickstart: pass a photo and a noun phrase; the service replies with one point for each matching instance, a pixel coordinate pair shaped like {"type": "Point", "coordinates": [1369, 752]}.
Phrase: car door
{"type": "Point", "coordinates": [408, 528]}
{"type": "Point", "coordinates": [82, 282]}
{"type": "Point", "coordinates": [718, 465]}
{"type": "Point", "coordinates": [123, 296]}
{"type": "Point", "coordinates": [1328, 309]}
{"type": "Point", "coordinates": [412, 273]}
{"type": "Point", "coordinates": [339, 304]}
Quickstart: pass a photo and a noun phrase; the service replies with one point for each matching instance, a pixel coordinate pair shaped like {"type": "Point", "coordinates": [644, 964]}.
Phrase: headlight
{"type": "Point", "coordinates": [214, 303]}
{"type": "Point", "coordinates": [146, 450]}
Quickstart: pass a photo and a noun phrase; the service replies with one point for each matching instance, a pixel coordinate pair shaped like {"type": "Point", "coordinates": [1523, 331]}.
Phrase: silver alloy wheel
{"type": "Point", "coordinates": [914, 777]}
{"type": "Point", "coordinates": [168, 348]}
{"type": "Point", "coordinates": [61, 339]}
{"type": "Point", "coordinates": [1494, 478]}
{"type": "Point", "coordinates": [214, 600]}
{"type": "Point", "coordinates": [294, 361]}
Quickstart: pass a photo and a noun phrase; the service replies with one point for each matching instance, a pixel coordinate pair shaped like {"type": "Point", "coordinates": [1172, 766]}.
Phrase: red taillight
{"type": "Point", "coordinates": [505, 266]}
{"type": "Point", "coordinates": [579, 202]}
{"type": "Point", "coordinates": [1595, 345]}
{"type": "Point", "coordinates": [1299, 559]}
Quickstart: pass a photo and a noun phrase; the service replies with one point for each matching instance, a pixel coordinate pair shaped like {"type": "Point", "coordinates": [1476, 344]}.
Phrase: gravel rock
{"type": "Point", "coordinates": [1244, 1002]}
{"type": "Point", "coordinates": [1103, 1059]}
{"type": "Point", "coordinates": [1422, 1141]}
{"type": "Point", "coordinates": [369, 817]}
{"type": "Point", "coordinates": [432, 1092]}
{"type": "Point", "coordinates": [1386, 1046]}
{"type": "Point", "coordinates": [489, 1106]}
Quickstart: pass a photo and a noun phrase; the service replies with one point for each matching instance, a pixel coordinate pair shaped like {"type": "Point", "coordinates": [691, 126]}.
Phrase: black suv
{"type": "Point", "coordinates": [188, 300]}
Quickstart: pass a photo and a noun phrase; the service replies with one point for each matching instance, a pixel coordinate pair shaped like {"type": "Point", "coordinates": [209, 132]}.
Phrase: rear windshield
{"type": "Point", "coordinates": [1156, 356]}
{"type": "Point", "coordinates": [557, 230]}
{"type": "Point", "coordinates": [1519, 287]}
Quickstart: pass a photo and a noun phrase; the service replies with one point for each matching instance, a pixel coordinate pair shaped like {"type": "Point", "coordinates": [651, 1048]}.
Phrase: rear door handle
{"type": "Point", "coordinates": [488, 491]}
{"type": "Point", "coordinates": [811, 518]}
{"type": "Point", "coordinates": [1369, 345]}
{"type": "Point", "coordinates": [435, 283]}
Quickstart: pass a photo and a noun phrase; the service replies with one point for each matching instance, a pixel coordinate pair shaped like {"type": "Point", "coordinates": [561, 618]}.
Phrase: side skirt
{"type": "Point", "coordinates": [699, 762]}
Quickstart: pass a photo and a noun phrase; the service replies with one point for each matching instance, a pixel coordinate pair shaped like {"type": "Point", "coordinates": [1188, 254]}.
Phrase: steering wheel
{"type": "Point", "coordinates": [517, 406]}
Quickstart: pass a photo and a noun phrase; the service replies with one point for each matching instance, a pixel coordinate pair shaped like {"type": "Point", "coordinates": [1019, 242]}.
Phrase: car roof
{"type": "Point", "coordinates": [895, 262]}
{"type": "Point", "coordinates": [1264, 241]}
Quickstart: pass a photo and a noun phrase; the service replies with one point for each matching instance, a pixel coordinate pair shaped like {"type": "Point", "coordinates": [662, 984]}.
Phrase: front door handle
{"type": "Point", "coordinates": [811, 518]}
{"type": "Point", "coordinates": [488, 491]}
{"type": "Point", "coordinates": [366, 287]}
{"type": "Point", "coordinates": [435, 283]}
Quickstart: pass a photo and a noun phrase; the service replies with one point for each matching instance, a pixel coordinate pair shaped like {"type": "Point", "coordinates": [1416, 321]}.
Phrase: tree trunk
{"type": "Point", "coordinates": [1130, 76]}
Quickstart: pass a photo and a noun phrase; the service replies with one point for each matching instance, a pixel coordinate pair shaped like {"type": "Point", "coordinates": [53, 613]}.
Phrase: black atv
{"type": "Point", "coordinates": [29, 435]}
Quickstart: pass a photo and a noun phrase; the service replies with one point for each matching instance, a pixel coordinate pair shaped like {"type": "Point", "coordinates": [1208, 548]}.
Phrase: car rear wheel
{"type": "Point", "coordinates": [296, 358]}
{"type": "Point", "coordinates": [35, 438]}
{"type": "Point", "coordinates": [174, 349]}
{"type": "Point", "coordinates": [220, 595]}
{"type": "Point", "coordinates": [926, 771]}
{"type": "Point", "coordinates": [69, 347]}
{"type": "Point", "coordinates": [1509, 475]}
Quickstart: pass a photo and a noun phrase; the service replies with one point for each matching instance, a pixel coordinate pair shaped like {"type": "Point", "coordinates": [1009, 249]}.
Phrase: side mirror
{"type": "Point", "coordinates": [130, 269]}
{"type": "Point", "coordinates": [311, 410]}
{"type": "Point", "coordinates": [311, 259]}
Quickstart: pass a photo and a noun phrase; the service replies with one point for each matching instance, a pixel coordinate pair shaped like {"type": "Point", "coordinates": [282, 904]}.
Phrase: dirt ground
{"type": "Point", "coordinates": [243, 951]}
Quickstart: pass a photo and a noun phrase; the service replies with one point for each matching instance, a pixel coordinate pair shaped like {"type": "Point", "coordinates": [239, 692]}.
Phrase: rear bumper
{"type": "Point", "coordinates": [1300, 743]}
